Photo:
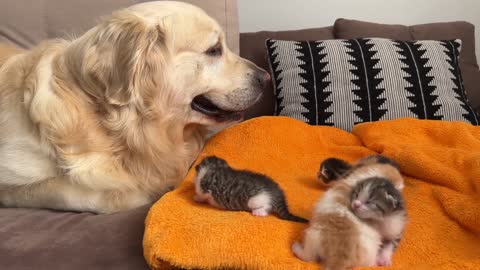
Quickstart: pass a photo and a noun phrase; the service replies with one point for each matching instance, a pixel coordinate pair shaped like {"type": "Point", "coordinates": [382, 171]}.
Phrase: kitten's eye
{"type": "Point", "coordinates": [371, 204]}
{"type": "Point", "coordinates": [215, 50]}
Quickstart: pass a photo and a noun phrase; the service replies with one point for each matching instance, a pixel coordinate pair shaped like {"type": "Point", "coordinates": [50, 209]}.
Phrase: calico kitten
{"type": "Point", "coordinates": [336, 236]}
{"type": "Point", "coordinates": [376, 201]}
{"type": "Point", "coordinates": [224, 187]}
{"type": "Point", "coordinates": [333, 169]}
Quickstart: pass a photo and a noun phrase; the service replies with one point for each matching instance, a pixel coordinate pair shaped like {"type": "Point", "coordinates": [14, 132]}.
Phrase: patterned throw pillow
{"type": "Point", "coordinates": [344, 82]}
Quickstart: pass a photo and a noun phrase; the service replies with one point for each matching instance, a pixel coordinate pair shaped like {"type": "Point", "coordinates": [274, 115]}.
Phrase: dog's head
{"type": "Point", "coordinates": [166, 58]}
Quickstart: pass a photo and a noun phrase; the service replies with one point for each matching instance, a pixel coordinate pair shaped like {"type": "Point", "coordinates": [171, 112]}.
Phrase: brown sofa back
{"type": "Point", "coordinates": [465, 31]}
{"type": "Point", "coordinates": [252, 47]}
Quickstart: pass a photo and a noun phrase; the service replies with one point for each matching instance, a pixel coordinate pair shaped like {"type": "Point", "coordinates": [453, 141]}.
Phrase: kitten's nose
{"type": "Point", "coordinates": [356, 204]}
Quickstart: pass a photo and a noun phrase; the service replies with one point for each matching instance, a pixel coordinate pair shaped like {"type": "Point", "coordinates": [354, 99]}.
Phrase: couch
{"type": "Point", "coordinates": [44, 239]}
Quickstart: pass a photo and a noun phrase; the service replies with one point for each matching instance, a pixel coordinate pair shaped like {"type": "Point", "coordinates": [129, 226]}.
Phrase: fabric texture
{"type": "Point", "coordinates": [252, 47]}
{"type": "Point", "coordinates": [442, 195]}
{"type": "Point", "coordinates": [465, 31]}
{"type": "Point", "coordinates": [38, 239]}
{"type": "Point", "coordinates": [344, 82]}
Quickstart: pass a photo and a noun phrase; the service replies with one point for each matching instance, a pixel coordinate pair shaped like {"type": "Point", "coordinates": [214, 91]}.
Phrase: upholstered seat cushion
{"type": "Point", "coordinates": [48, 240]}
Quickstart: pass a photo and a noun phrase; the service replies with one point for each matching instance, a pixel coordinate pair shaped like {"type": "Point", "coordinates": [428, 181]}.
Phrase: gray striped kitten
{"type": "Point", "coordinates": [375, 200]}
{"type": "Point", "coordinates": [221, 186]}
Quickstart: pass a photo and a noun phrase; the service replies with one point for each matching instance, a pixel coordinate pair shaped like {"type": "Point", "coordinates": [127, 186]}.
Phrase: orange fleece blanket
{"type": "Point", "coordinates": [440, 160]}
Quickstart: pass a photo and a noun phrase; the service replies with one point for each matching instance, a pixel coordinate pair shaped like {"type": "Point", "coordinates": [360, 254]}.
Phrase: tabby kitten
{"type": "Point", "coordinates": [376, 201]}
{"type": "Point", "coordinates": [224, 187]}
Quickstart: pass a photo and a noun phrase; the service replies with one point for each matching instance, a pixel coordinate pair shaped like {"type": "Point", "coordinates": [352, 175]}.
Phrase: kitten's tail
{"type": "Point", "coordinates": [281, 209]}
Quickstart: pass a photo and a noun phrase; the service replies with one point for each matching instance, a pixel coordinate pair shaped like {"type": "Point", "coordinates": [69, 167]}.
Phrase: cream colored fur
{"type": "Point", "coordinates": [336, 237]}
{"type": "Point", "coordinates": [104, 123]}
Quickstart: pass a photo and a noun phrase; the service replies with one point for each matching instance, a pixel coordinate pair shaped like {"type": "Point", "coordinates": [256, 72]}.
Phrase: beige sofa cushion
{"type": "Point", "coordinates": [25, 22]}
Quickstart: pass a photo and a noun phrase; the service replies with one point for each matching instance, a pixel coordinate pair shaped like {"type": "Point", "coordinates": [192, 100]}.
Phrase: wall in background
{"type": "Point", "coordinates": [257, 15]}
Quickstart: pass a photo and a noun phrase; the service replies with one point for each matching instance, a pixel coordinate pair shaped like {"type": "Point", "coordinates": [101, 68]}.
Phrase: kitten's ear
{"type": "Point", "coordinates": [399, 186]}
{"type": "Point", "coordinates": [383, 160]}
{"type": "Point", "coordinates": [222, 162]}
{"type": "Point", "coordinates": [332, 168]}
{"type": "Point", "coordinates": [391, 199]}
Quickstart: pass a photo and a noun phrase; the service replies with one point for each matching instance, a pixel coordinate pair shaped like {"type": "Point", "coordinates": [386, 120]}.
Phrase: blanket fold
{"type": "Point", "coordinates": [440, 160]}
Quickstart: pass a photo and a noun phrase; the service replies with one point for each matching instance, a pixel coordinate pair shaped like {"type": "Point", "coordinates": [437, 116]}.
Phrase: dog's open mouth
{"type": "Point", "coordinates": [203, 105]}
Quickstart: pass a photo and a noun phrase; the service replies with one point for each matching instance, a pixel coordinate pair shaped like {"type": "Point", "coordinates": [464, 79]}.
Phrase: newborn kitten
{"type": "Point", "coordinates": [241, 190]}
{"type": "Point", "coordinates": [377, 202]}
{"type": "Point", "coordinates": [337, 236]}
{"type": "Point", "coordinates": [391, 226]}
{"type": "Point", "coordinates": [333, 169]}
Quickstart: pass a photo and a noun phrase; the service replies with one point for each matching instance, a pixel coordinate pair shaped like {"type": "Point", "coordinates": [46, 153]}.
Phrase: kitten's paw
{"type": "Point", "coordinates": [198, 199]}
{"type": "Point", "coordinates": [384, 261]}
{"type": "Point", "coordinates": [260, 212]}
{"type": "Point", "coordinates": [385, 254]}
{"type": "Point", "coordinates": [297, 249]}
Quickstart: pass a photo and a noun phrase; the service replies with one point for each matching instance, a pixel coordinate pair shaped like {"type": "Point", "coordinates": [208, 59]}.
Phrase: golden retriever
{"type": "Point", "coordinates": [113, 119]}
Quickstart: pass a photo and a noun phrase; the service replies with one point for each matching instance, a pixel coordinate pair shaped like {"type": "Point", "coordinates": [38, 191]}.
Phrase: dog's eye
{"type": "Point", "coordinates": [215, 50]}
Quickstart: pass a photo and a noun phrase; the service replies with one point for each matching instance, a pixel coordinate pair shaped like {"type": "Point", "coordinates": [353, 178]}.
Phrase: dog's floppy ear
{"type": "Point", "coordinates": [121, 60]}
{"type": "Point", "coordinates": [136, 56]}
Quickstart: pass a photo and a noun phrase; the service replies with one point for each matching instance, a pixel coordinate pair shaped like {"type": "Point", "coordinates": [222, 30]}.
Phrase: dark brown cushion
{"type": "Point", "coordinates": [252, 47]}
{"type": "Point", "coordinates": [348, 29]}
{"type": "Point", "coordinates": [43, 239]}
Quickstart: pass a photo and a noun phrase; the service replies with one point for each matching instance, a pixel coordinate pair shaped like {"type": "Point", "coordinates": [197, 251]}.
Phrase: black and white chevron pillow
{"type": "Point", "coordinates": [344, 82]}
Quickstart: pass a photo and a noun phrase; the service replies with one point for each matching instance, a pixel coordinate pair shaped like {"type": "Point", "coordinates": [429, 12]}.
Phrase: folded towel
{"type": "Point", "coordinates": [440, 160]}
